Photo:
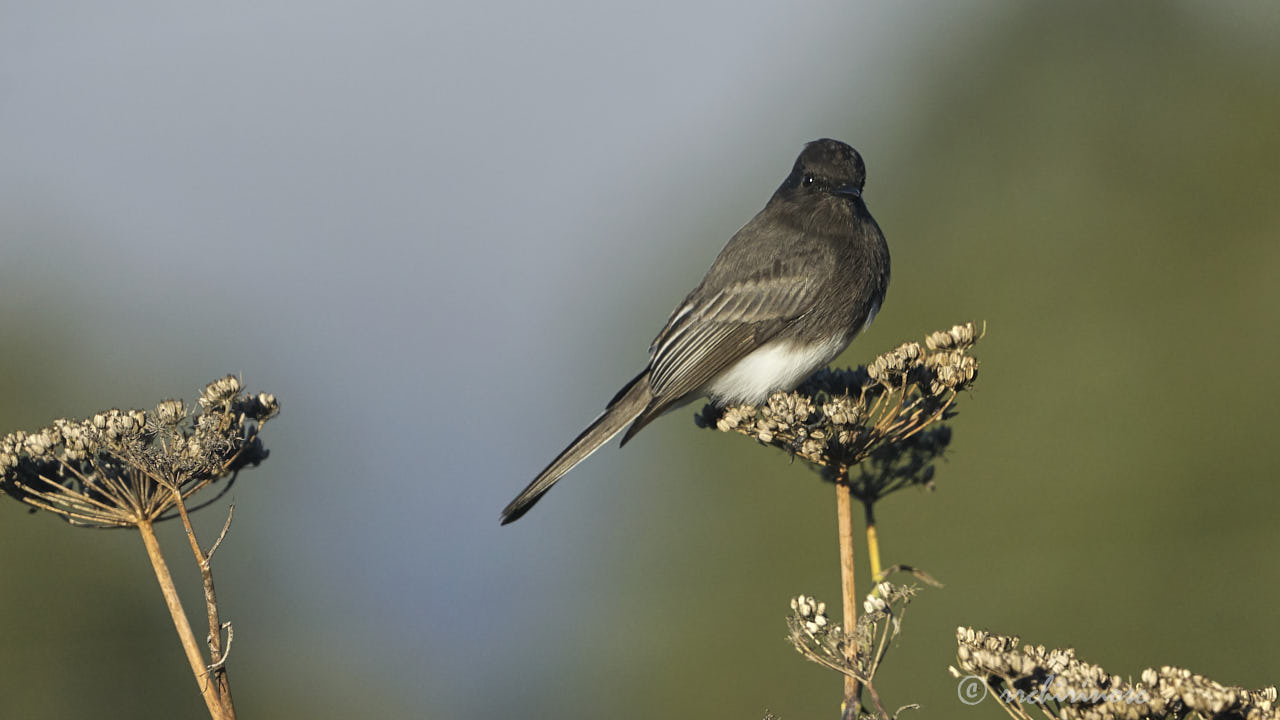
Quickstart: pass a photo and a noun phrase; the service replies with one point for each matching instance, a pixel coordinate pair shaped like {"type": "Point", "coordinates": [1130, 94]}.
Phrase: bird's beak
{"type": "Point", "coordinates": [850, 191]}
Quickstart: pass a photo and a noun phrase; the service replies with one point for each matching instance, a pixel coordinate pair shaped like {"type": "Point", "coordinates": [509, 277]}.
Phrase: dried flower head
{"type": "Point", "coordinates": [119, 468]}
{"type": "Point", "coordinates": [857, 654]}
{"type": "Point", "coordinates": [1069, 688]}
{"type": "Point", "coordinates": [879, 419]}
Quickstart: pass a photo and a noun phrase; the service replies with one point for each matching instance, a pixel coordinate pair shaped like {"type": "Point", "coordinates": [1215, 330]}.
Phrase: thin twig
{"type": "Point", "coordinates": [875, 698]}
{"type": "Point", "coordinates": [222, 661]}
{"type": "Point", "coordinates": [211, 604]}
{"type": "Point", "coordinates": [915, 572]}
{"type": "Point", "coordinates": [226, 488]}
{"type": "Point", "coordinates": [883, 647]}
{"type": "Point", "coordinates": [231, 511]}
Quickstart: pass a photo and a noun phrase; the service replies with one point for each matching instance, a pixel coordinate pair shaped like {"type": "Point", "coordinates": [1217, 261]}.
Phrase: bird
{"type": "Point", "coordinates": [784, 297]}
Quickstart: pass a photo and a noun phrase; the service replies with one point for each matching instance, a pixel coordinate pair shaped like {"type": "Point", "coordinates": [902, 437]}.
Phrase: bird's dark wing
{"type": "Point", "coordinates": [710, 332]}
{"type": "Point", "coordinates": [707, 335]}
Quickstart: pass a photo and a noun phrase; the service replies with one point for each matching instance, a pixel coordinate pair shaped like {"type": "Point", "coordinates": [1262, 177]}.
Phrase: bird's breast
{"type": "Point", "coordinates": [774, 366]}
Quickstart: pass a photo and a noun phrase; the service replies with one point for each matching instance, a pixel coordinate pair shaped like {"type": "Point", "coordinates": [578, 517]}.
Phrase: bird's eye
{"type": "Point", "coordinates": [808, 179]}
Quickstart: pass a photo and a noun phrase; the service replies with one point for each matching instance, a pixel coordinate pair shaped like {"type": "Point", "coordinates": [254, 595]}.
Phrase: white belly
{"type": "Point", "coordinates": [779, 365]}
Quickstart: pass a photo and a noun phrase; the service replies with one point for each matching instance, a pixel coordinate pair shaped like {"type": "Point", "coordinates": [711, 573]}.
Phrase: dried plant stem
{"type": "Point", "coordinates": [849, 600]}
{"type": "Point", "coordinates": [198, 669]}
{"type": "Point", "coordinates": [873, 542]}
{"type": "Point", "coordinates": [218, 667]}
{"type": "Point", "coordinates": [875, 698]}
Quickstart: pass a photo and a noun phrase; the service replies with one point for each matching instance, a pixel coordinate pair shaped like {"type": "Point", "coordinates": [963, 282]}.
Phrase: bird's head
{"type": "Point", "coordinates": [830, 167]}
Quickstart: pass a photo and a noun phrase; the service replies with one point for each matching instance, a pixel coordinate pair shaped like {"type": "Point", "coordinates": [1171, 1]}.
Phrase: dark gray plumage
{"type": "Point", "coordinates": [784, 297]}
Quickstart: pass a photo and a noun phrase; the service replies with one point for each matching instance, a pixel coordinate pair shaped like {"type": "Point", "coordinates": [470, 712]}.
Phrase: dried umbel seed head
{"type": "Point", "coordinates": [874, 604]}
{"type": "Point", "coordinates": [952, 370]}
{"type": "Point", "coordinates": [1083, 690]}
{"type": "Point", "coordinates": [120, 468]}
{"type": "Point", "coordinates": [807, 607]}
{"type": "Point", "coordinates": [220, 391]}
{"type": "Point", "coordinates": [267, 402]}
{"type": "Point", "coordinates": [76, 439]}
{"type": "Point", "coordinates": [851, 652]}
{"type": "Point", "coordinates": [39, 444]}
{"type": "Point", "coordinates": [811, 613]}
{"type": "Point", "coordinates": [959, 337]}
{"type": "Point", "coordinates": [261, 406]}
{"type": "Point", "coordinates": [169, 413]}
{"type": "Point", "coordinates": [893, 366]}
{"type": "Point", "coordinates": [114, 425]}
{"type": "Point", "coordinates": [788, 408]}
{"type": "Point", "coordinates": [878, 427]}
{"type": "Point", "coordinates": [843, 410]}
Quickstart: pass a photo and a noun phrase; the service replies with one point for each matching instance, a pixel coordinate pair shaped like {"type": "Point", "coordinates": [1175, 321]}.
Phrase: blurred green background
{"type": "Point", "coordinates": [443, 236]}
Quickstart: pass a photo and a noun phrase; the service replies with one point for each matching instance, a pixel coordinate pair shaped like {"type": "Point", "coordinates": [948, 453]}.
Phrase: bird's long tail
{"type": "Point", "coordinates": [627, 406]}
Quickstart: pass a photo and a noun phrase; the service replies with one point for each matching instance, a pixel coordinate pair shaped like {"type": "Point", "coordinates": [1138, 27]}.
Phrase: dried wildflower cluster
{"type": "Point", "coordinates": [856, 654]}
{"type": "Point", "coordinates": [120, 468]}
{"type": "Point", "coordinates": [1069, 688]}
{"type": "Point", "coordinates": [879, 413]}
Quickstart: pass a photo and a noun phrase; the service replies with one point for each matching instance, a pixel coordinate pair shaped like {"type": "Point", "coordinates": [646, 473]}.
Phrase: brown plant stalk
{"type": "Point", "coordinates": [848, 591]}
{"type": "Point", "coordinates": [208, 690]}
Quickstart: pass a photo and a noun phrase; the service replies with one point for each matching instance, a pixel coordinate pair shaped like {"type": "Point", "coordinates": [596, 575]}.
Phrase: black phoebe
{"type": "Point", "coordinates": [783, 298]}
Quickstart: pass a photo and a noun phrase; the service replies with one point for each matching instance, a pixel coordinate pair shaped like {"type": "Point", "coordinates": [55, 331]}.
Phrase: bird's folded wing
{"type": "Point", "coordinates": [709, 334]}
